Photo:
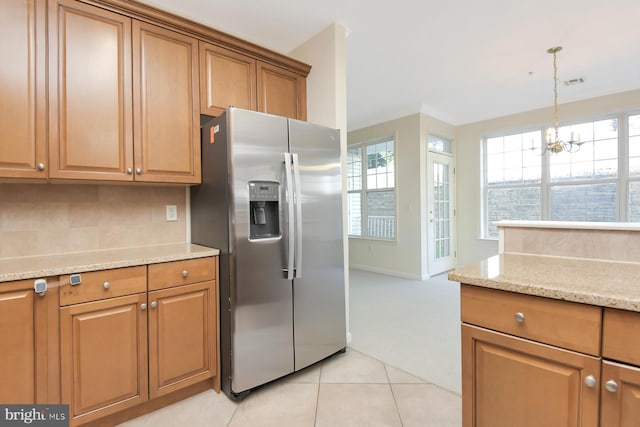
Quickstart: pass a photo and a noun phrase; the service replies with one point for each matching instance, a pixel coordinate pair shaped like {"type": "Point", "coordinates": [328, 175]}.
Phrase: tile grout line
{"type": "Point", "coordinates": [393, 395]}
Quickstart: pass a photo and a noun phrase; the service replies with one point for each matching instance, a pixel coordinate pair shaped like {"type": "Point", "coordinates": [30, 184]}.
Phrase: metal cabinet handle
{"type": "Point", "coordinates": [143, 306]}
{"type": "Point", "coordinates": [611, 386]}
{"type": "Point", "coordinates": [519, 316]}
{"type": "Point", "coordinates": [590, 381]}
{"type": "Point", "coordinates": [40, 166]}
{"type": "Point", "coordinates": [185, 273]}
{"type": "Point", "coordinates": [106, 285]}
{"type": "Point", "coordinates": [139, 171]}
{"type": "Point", "coordinates": [154, 304]}
{"type": "Point", "coordinates": [129, 171]}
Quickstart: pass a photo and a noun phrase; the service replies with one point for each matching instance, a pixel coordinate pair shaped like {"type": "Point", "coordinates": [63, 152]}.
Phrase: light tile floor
{"type": "Point", "coordinates": [403, 331]}
{"type": "Point", "coordinates": [350, 389]}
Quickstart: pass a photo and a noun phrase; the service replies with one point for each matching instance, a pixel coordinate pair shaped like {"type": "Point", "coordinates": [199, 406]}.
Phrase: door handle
{"type": "Point", "coordinates": [297, 267]}
{"type": "Point", "coordinates": [290, 219]}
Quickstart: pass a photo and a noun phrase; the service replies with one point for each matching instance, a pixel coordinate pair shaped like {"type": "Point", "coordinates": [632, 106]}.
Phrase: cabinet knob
{"type": "Point", "coordinates": [519, 317]}
{"type": "Point", "coordinates": [139, 171]}
{"type": "Point", "coordinates": [185, 273]}
{"type": "Point", "coordinates": [590, 381]}
{"type": "Point", "coordinates": [143, 306]}
{"type": "Point", "coordinates": [40, 166]}
{"type": "Point", "coordinates": [611, 386]}
{"type": "Point", "coordinates": [106, 285]}
{"type": "Point", "coordinates": [129, 171]}
{"type": "Point", "coordinates": [154, 304]}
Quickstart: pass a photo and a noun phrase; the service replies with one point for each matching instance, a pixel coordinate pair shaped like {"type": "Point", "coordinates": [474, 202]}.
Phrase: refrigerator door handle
{"type": "Point", "coordinates": [290, 220]}
{"type": "Point", "coordinates": [298, 207]}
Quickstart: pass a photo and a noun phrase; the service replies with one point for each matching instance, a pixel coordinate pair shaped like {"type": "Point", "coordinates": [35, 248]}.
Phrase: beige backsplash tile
{"type": "Point", "coordinates": [37, 219]}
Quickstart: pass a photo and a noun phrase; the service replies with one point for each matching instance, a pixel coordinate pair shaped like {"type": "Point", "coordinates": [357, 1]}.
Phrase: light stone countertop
{"type": "Point", "coordinates": [80, 262]}
{"type": "Point", "coordinates": [589, 281]}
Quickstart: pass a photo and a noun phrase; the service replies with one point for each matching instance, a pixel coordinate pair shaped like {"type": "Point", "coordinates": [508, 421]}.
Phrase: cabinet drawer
{"type": "Point", "coordinates": [97, 285]}
{"type": "Point", "coordinates": [183, 272]}
{"type": "Point", "coordinates": [561, 323]}
{"type": "Point", "coordinates": [620, 336]}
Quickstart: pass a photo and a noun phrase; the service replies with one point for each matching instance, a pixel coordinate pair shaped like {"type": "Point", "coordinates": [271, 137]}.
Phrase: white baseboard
{"type": "Point", "coordinates": [385, 271]}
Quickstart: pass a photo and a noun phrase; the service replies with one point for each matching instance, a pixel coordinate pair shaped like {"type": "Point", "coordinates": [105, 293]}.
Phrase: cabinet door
{"type": "Point", "coordinates": [620, 395]}
{"type": "Point", "coordinates": [91, 134]}
{"type": "Point", "coordinates": [508, 381]}
{"type": "Point", "coordinates": [227, 79]}
{"type": "Point", "coordinates": [28, 333]}
{"type": "Point", "coordinates": [166, 105]}
{"type": "Point", "coordinates": [182, 337]}
{"type": "Point", "coordinates": [22, 111]}
{"type": "Point", "coordinates": [281, 92]}
{"type": "Point", "coordinates": [103, 356]}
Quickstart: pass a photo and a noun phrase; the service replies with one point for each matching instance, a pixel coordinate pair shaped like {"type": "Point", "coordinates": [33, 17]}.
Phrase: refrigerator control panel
{"type": "Point", "coordinates": [264, 208]}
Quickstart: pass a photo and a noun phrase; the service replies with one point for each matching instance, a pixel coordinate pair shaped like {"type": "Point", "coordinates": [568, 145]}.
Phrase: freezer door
{"type": "Point", "coordinates": [261, 299]}
{"type": "Point", "coordinates": [318, 292]}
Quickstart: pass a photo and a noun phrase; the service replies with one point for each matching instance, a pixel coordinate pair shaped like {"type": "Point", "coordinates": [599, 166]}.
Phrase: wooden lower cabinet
{"type": "Point", "coordinates": [28, 333]}
{"type": "Point", "coordinates": [181, 337]}
{"type": "Point", "coordinates": [510, 381]}
{"type": "Point", "coordinates": [104, 356]}
{"type": "Point", "coordinates": [620, 395]}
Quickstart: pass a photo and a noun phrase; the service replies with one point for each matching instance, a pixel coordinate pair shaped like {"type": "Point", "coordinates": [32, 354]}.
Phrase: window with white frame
{"type": "Point", "coordinates": [634, 167]}
{"type": "Point", "coordinates": [522, 183]}
{"type": "Point", "coordinates": [512, 179]}
{"type": "Point", "coordinates": [371, 198]}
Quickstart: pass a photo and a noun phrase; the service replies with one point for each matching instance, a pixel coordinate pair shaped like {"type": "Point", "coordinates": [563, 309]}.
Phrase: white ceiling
{"type": "Point", "coordinates": [460, 60]}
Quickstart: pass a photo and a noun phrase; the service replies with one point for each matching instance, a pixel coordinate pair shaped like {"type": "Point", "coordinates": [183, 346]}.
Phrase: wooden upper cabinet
{"type": "Point", "coordinates": [227, 78]}
{"type": "Point", "coordinates": [90, 124]}
{"type": "Point", "coordinates": [166, 105]}
{"type": "Point", "coordinates": [281, 92]}
{"type": "Point", "coordinates": [22, 84]}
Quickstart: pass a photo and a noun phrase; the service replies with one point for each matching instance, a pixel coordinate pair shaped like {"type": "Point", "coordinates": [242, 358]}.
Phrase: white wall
{"type": "Point", "coordinates": [468, 142]}
{"type": "Point", "coordinates": [401, 257]}
{"type": "Point", "coordinates": [326, 52]}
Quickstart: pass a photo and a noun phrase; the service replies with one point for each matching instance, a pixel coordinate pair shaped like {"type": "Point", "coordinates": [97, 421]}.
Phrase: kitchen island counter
{"type": "Point", "coordinates": [589, 281]}
{"type": "Point", "coordinates": [79, 262]}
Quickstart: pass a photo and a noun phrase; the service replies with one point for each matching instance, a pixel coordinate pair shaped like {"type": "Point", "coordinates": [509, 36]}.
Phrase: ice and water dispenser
{"type": "Point", "coordinates": [264, 210]}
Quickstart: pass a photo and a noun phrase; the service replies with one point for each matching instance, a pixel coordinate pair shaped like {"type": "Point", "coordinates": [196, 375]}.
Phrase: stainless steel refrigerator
{"type": "Point", "coordinates": [271, 201]}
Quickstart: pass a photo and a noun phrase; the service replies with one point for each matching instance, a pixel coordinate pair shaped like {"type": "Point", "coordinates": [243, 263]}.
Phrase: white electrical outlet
{"type": "Point", "coordinates": [172, 212]}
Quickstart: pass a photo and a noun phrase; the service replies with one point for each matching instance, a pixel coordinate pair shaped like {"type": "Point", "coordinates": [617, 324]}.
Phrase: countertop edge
{"type": "Point", "coordinates": [69, 263]}
{"type": "Point", "coordinates": [585, 292]}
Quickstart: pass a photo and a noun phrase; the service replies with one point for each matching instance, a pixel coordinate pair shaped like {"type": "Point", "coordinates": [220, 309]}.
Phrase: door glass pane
{"type": "Point", "coordinates": [439, 145]}
{"type": "Point", "coordinates": [441, 209]}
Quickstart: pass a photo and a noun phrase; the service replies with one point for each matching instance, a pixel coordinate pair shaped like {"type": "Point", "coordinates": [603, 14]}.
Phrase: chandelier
{"type": "Point", "coordinates": [554, 144]}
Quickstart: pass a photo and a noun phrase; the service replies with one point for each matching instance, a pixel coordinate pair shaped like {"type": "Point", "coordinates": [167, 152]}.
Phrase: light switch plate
{"type": "Point", "coordinates": [172, 212]}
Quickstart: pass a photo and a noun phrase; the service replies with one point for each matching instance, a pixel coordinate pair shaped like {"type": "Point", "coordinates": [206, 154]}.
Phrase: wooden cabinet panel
{"type": "Point", "coordinates": [91, 134]}
{"type": "Point", "coordinates": [22, 104]}
{"type": "Point", "coordinates": [281, 92]}
{"type": "Point", "coordinates": [29, 336]}
{"type": "Point", "coordinates": [97, 285]}
{"type": "Point", "coordinates": [182, 339]}
{"type": "Point", "coordinates": [104, 356]}
{"type": "Point", "coordinates": [509, 381]}
{"type": "Point", "coordinates": [175, 273]}
{"type": "Point", "coordinates": [620, 336]}
{"type": "Point", "coordinates": [166, 105]}
{"type": "Point", "coordinates": [227, 79]}
{"type": "Point", "coordinates": [620, 404]}
{"type": "Point", "coordinates": [565, 324]}
{"type": "Point", "coordinates": [17, 359]}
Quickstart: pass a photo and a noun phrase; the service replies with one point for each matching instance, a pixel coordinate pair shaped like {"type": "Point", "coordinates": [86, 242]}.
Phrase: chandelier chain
{"type": "Point", "coordinates": [555, 96]}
